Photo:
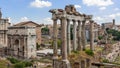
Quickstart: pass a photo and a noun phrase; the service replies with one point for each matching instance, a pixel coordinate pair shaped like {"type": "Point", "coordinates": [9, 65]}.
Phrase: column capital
{"type": "Point", "coordinates": [84, 20]}
{"type": "Point", "coordinates": [54, 19]}
{"type": "Point", "coordinates": [74, 20]}
{"type": "Point", "coordinates": [69, 20]}
{"type": "Point", "coordinates": [91, 21]}
{"type": "Point", "coordinates": [79, 21]}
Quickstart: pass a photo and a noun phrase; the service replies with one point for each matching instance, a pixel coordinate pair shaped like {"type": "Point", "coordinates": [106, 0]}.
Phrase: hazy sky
{"type": "Point", "coordinates": [37, 10]}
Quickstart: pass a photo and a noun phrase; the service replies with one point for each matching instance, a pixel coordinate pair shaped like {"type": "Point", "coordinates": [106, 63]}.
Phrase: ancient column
{"type": "Point", "coordinates": [68, 37]}
{"type": "Point", "coordinates": [25, 48]}
{"type": "Point", "coordinates": [91, 35]}
{"type": "Point", "coordinates": [83, 35]}
{"type": "Point", "coordinates": [74, 35]}
{"type": "Point", "coordinates": [55, 56]}
{"type": "Point", "coordinates": [55, 37]}
{"type": "Point", "coordinates": [79, 36]}
{"type": "Point", "coordinates": [83, 63]}
{"type": "Point", "coordinates": [66, 63]}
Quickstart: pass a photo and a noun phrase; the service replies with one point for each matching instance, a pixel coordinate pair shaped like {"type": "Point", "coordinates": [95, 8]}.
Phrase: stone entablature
{"type": "Point", "coordinates": [21, 30]}
{"type": "Point", "coordinates": [21, 42]}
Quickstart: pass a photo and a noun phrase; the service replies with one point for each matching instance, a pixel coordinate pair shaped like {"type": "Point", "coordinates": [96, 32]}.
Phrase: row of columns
{"type": "Point", "coordinates": [66, 39]}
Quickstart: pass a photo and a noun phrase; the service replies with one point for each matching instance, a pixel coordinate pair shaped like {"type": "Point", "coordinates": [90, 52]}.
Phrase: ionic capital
{"type": "Point", "coordinates": [91, 21]}
{"type": "Point", "coordinates": [54, 19]}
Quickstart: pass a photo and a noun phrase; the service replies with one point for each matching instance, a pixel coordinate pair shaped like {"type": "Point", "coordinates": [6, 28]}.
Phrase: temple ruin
{"type": "Point", "coordinates": [69, 14]}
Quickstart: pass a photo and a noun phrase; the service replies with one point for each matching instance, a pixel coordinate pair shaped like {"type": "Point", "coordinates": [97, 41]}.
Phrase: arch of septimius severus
{"type": "Point", "coordinates": [79, 39]}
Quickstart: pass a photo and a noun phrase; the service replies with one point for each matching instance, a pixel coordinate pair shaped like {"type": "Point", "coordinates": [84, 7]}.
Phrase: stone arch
{"type": "Point", "coordinates": [16, 42]}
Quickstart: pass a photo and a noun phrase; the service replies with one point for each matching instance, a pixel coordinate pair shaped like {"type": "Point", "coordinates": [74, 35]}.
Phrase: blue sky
{"type": "Point", "coordinates": [37, 10]}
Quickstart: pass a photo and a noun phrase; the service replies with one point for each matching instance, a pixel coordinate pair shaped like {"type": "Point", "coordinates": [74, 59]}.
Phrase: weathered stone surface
{"type": "Point", "coordinates": [83, 35]}
{"type": "Point", "coordinates": [91, 35]}
{"type": "Point", "coordinates": [79, 37]}
{"type": "Point", "coordinates": [70, 13]}
{"type": "Point", "coordinates": [74, 35]}
{"type": "Point", "coordinates": [21, 42]}
{"type": "Point", "coordinates": [68, 38]}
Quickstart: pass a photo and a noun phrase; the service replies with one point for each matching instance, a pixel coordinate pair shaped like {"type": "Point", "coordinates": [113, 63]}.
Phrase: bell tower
{"type": "Point", "coordinates": [0, 14]}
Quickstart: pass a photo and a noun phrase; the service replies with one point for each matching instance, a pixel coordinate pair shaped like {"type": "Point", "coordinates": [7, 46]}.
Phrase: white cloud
{"type": "Point", "coordinates": [107, 18]}
{"type": "Point", "coordinates": [40, 4]}
{"type": "Point", "coordinates": [77, 6]}
{"type": "Point", "coordinates": [116, 9]}
{"type": "Point", "coordinates": [114, 15]}
{"type": "Point", "coordinates": [24, 19]}
{"type": "Point", "coordinates": [9, 19]}
{"type": "Point", "coordinates": [102, 8]}
{"type": "Point", "coordinates": [98, 2]}
{"type": "Point", "coordinates": [98, 18]}
{"type": "Point", "coordinates": [47, 20]}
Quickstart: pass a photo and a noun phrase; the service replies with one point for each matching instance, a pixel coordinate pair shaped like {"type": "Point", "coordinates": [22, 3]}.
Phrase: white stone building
{"type": "Point", "coordinates": [4, 23]}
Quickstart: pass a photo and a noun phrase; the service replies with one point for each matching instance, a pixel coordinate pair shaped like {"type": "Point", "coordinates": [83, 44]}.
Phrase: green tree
{"type": "Point", "coordinates": [45, 30]}
{"type": "Point", "coordinates": [100, 37]}
{"type": "Point", "coordinates": [115, 33]}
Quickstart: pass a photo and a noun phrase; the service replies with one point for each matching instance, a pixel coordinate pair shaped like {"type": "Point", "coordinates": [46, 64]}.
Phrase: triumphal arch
{"type": "Point", "coordinates": [69, 14]}
{"type": "Point", "coordinates": [21, 42]}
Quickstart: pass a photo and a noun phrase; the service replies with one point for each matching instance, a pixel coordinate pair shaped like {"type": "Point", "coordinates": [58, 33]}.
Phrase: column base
{"type": "Point", "coordinates": [66, 64]}
{"type": "Point", "coordinates": [55, 57]}
{"type": "Point", "coordinates": [55, 61]}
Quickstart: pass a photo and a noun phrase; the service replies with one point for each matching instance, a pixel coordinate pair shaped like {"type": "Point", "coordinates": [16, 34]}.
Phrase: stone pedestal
{"type": "Point", "coordinates": [65, 64]}
{"type": "Point", "coordinates": [83, 64]}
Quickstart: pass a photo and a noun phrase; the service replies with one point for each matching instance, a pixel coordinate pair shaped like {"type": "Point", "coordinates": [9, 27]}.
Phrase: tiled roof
{"type": "Point", "coordinates": [26, 22]}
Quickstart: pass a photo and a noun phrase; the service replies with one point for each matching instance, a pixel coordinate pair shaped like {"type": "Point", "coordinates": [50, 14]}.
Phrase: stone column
{"type": "Point", "coordinates": [83, 64]}
{"type": "Point", "coordinates": [25, 47]}
{"type": "Point", "coordinates": [68, 37]}
{"type": "Point", "coordinates": [91, 35]}
{"type": "Point", "coordinates": [74, 35]}
{"type": "Point", "coordinates": [66, 63]}
{"type": "Point", "coordinates": [12, 47]}
{"type": "Point", "coordinates": [83, 35]}
{"type": "Point", "coordinates": [55, 38]}
{"type": "Point", "coordinates": [79, 36]}
{"type": "Point", "coordinates": [55, 56]}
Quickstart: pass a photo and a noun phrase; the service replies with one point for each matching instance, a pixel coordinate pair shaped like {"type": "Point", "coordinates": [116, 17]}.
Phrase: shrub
{"type": "Point", "coordinates": [100, 37]}
{"type": "Point", "coordinates": [76, 52]}
{"type": "Point", "coordinates": [105, 60]}
{"type": "Point", "coordinates": [19, 65]}
{"type": "Point", "coordinates": [89, 52]}
{"type": "Point", "coordinates": [37, 46]}
{"type": "Point", "coordinates": [13, 60]}
{"type": "Point", "coordinates": [27, 64]}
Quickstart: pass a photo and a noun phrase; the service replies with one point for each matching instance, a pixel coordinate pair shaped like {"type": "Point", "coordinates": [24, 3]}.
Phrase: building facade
{"type": "Point", "coordinates": [4, 23]}
{"type": "Point", "coordinates": [95, 31]}
{"type": "Point", "coordinates": [21, 42]}
{"type": "Point", "coordinates": [37, 29]}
